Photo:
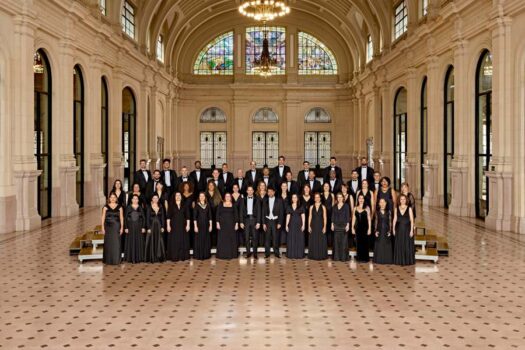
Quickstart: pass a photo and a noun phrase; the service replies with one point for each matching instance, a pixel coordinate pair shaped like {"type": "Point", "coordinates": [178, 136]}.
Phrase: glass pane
{"type": "Point", "coordinates": [213, 115]}
{"type": "Point", "coordinates": [314, 56]}
{"type": "Point", "coordinates": [485, 73]}
{"type": "Point", "coordinates": [219, 148]}
{"type": "Point", "coordinates": [425, 130]}
{"type": "Point", "coordinates": [265, 115]}
{"type": "Point", "coordinates": [272, 148]}
{"type": "Point", "coordinates": [482, 125]}
{"type": "Point", "coordinates": [317, 115]}
{"type": "Point", "coordinates": [217, 57]}
{"type": "Point", "coordinates": [258, 148]}
{"type": "Point", "coordinates": [276, 44]}
{"type": "Point", "coordinates": [325, 144]}
{"type": "Point", "coordinates": [207, 149]}
{"type": "Point", "coordinates": [310, 147]}
{"type": "Point", "coordinates": [450, 128]}
{"type": "Point", "coordinates": [401, 102]}
{"type": "Point", "coordinates": [450, 85]}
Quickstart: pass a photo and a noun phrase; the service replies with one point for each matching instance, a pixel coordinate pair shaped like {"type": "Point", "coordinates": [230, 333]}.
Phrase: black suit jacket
{"type": "Point", "coordinates": [141, 180]}
{"type": "Point", "coordinates": [173, 179]}
{"type": "Point", "coordinates": [301, 180]}
{"type": "Point", "coordinates": [229, 181]}
{"type": "Point", "coordinates": [200, 185]}
{"type": "Point", "coordinates": [271, 182]}
{"type": "Point", "coordinates": [338, 173]}
{"type": "Point", "coordinates": [351, 190]}
{"type": "Point", "coordinates": [278, 210]}
{"type": "Point", "coordinates": [275, 173]}
{"type": "Point", "coordinates": [243, 186]}
{"type": "Point", "coordinates": [257, 209]}
{"type": "Point", "coordinates": [151, 188]}
{"type": "Point", "coordinates": [220, 185]}
{"type": "Point", "coordinates": [250, 180]}
{"type": "Point", "coordinates": [293, 188]}
{"type": "Point", "coordinates": [369, 175]}
{"type": "Point", "coordinates": [316, 187]}
{"type": "Point", "coordinates": [337, 186]}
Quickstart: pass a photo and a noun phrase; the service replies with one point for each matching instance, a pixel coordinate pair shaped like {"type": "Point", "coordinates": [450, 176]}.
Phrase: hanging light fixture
{"type": "Point", "coordinates": [38, 66]}
{"type": "Point", "coordinates": [264, 10]}
{"type": "Point", "coordinates": [265, 65]}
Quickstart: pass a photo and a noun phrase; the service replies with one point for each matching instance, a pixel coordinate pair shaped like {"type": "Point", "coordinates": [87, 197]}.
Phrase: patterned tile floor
{"type": "Point", "coordinates": [472, 299]}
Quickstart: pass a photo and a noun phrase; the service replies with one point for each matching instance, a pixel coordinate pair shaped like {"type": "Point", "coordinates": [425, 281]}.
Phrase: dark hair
{"type": "Point", "coordinates": [134, 196]}
{"type": "Point", "coordinates": [142, 160]}
{"type": "Point", "coordinates": [166, 160]}
{"type": "Point", "coordinates": [387, 179]}
{"type": "Point", "coordinates": [282, 157]}
{"type": "Point", "coordinates": [332, 157]}
{"type": "Point", "coordinates": [354, 171]}
{"type": "Point", "coordinates": [156, 171]}
{"type": "Point", "coordinates": [306, 162]}
{"type": "Point", "coordinates": [197, 161]}
{"type": "Point", "coordinates": [114, 187]}
{"type": "Point", "coordinates": [248, 187]}
{"type": "Point", "coordinates": [223, 164]}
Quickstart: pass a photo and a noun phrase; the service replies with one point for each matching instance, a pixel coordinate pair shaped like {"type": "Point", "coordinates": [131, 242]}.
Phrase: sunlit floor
{"type": "Point", "coordinates": [472, 299]}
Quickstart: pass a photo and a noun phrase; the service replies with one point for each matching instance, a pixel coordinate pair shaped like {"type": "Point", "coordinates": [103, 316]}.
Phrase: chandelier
{"type": "Point", "coordinates": [266, 65]}
{"type": "Point", "coordinates": [264, 10]}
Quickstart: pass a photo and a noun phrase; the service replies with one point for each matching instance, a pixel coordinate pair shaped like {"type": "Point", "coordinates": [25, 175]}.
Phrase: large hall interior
{"type": "Point", "coordinates": [412, 112]}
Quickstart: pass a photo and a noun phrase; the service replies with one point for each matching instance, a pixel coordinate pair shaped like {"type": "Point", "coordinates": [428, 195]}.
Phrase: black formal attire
{"type": "Point", "coordinates": [227, 236]}
{"type": "Point", "coordinates": [182, 179]}
{"type": "Point", "coordinates": [199, 181]}
{"type": "Point", "coordinates": [252, 178]}
{"type": "Point", "coordinates": [269, 182]}
{"type": "Point", "coordinates": [369, 174]}
{"type": "Point", "coordinates": [121, 199]}
{"type": "Point", "coordinates": [112, 252]}
{"type": "Point", "coordinates": [203, 216]}
{"type": "Point", "coordinates": [142, 199]}
{"type": "Point", "coordinates": [361, 236]}
{"type": "Point", "coordinates": [261, 235]}
{"type": "Point", "coordinates": [142, 177]}
{"type": "Point", "coordinates": [338, 173]}
{"type": "Point", "coordinates": [329, 203]}
{"type": "Point", "coordinates": [151, 188]}
{"type": "Point", "coordinates": [411, 202]}
{"type": "Point", "coordinates": [404, 250]}
{"type": "Point", "coordinates": [306, 204]}
{"type": "Point", "coordinates": [213, 208]}
{"type": "Point", "coordinates": [178, 247]}
{"type": "Point", "coordinates": [273, 216]}
{"type": "Point", "coordinates": [155, 250]}
{"type": "Point", "coordinates": [335, 186]}
{"type": "Point", "coordinates": [227, 181]}
{"type": "Point", "coordinates": [169, 178]}
{"type": "Point", "coordinates": [295, 237]}
{"type": "Point", "coordinates": [134, 222]}
{"type": "Point", "coordinates": [317, 244]}
{"type": "Point", "coordinates": [315, 186]}
{"type": "Point", "coordinates": [238, 203]}
{"type": "Point", "coordinates": [293, 187]}
{"type": "Point", "coordinates": [354, 186]}
{"type": "Point", "coordinates": [243, 185]}
{"type": "Point", "coordinates": [340, 218]}
{"type": "Point", "coordinates": [303, 178]}
{"type": "Point", "coordinates": [383, 251]}
{"type": "Point", "coordinates": [251, 211]}
{"type": "Point", "coordinates": [188, 207]}
{"type": "Point", "coordinates": [219, 184]}
{"type": "Point", "coordinates": [279, 173]}
{"type": "Point", "coordinates": [387, 196]}
{"type": "Point", "coordinates": [376, 186]}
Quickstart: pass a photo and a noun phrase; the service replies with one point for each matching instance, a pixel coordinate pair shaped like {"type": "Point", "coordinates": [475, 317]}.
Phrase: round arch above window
{"type": "Point", "coordinates": [317, 115]}
{"type": "Point", "coordinates": [213, 115]}
{"type": "Point", "coordinates": [265, 115]}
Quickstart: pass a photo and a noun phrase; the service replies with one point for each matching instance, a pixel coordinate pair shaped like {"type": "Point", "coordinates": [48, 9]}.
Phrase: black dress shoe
{"type": "Point", "coordinates": [255, 256]}
{"type": "Point", "coordinates": [278, 256]}
{"type": "Point", "coordinates": [266, 256]}
{"type": "Point", "coordinates": [248, 255]}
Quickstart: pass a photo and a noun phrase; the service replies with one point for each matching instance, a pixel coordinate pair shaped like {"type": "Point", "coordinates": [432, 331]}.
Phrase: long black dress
{"type": "Point", "coordinates": [178, 248]}
{"type": "Point", "coordinates": [121, 200]}
{"type": "Point", "coordinates": [111, 254]}
{"type": "Point", "coordinates": [227, 236]}
{"type": "Point", "coordinates": [317, 248]}
{"type": "Point", "coordinates": [340, 218]}
{"type": "Point", "coordinates": [238, 208]}
{"type": "Point", "coordinates": [404, 250]}
{"type": "Point", "coordinates": [387, 196]}
{"type": "Point", "coordinates": [142, 199]}
{"type": "Point", "coordinates": [383, 252]}
{"type": "Point", "coordinates": [295, 237]}
{"type": "Point", "coordinates": [361, 236]}
{"type": "Point", "coordinates": [155, 221]}
{"type": "Point", "coordinates": [213, 209]}
{"type": "Point", "coordinates": [306, 204]}
{"type": "Point", "coordinates": [134, 222]}
{"type": "Point", "coordinates": [328, 203]}
{"type": "Point", "coordinates": [202, 249]}
{"type": "Point", "coordinates": [262, 234]}
{"type": "Point", "coordinates": [188, 205]}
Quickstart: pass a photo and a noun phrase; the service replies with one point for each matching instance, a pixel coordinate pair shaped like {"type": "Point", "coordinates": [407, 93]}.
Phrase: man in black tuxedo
{"type": "Point", "coordinates": [253, 176]}
{"type": "Point", "coordinates": [169, 178]}
{"type": "Point", "coordinates": [273, 220]}
{"type": "Point", "coordinates": [152, 185]}
{"type": "Point", "coordinates": [354, 185]}
{"type": "Point", "coordinates": [335, 183]}
{"type": "Point", "coordinates": [333, 166]}
{"type": "Point", "coordinates": [266, 178]}
{"type": "Point", "coordinates": [227, 178]}
{"type": "Point", "coordinates": [315, 185]}
{"type": "Point", "coordinates": [376, 185]}
{"type": "Point", "coordinates": [293, 188]}
{"type": "Point", "coordinates": [303, 176]}
{"type": "Point", "coordinates": [198, 178]}
{"type": "Point", "coordinates": [279, 172]}
{"type": "Point", "coordinates": [142, 176]}
{"type": "Point", "coordinates": [218, 181]}
{"type": "Point", "coordinates": [184, 177]}
{"type": "Point", "coordinates": [251, 221]}
{"type": "Point", "coordinates": [365, 172]}
{"type": "Point", "coordinates": [241, 182]}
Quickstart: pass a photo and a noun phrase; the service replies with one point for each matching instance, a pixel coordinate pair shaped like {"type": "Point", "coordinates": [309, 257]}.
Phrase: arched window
{"type": "Point", "coordinates": [400, 137]}
{"type": "Point", "coordinates": [276, 45]}
{"type": "Point", "coordinates": [314, 57]}
{"type": "Point", "coordinates": [217, 57]}
{"type": "Point", "coordinates": [104, 124]}
{"type": "Point", "coordinates": [317, 115]}
{"type": "Point", "coordinates": [265, 115]}
{"type": "Point", "coordinates": [213, 115]}
{"type": "Point", "coordinates": [483, 131]}
{"type": "Point", "coordinates": [78, 131]}
{"type": "Point", "coordinates": [42, 140]}
{"type": "Point", "coordinates": [424, 132]}
{"type": "Point", "coordinates": [448, 128]}
{"type": "Point", "coordinates": [129, 136]}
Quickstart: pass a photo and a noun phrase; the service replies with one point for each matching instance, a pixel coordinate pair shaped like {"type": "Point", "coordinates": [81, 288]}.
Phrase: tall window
{"type": "Point", "coordinates": [449, 132]}
{"type": "Point", "coordinates": [213, 149]}
{"type": "Point", "coordinates": [276, 45]}
{"type": "Point", "coordinates": [369, 49]}
{"type": "Point", "coordinates": [78, 131]}
{"type": "Point", "coordinates": [129, 136]}
{"type": "Point", "coordinates": [102, 6]}
{"type": "Point", "coordinates": [128, 19]}
{"type": "Point", "coordinates": [424, 133]}
{"type": "Point", "coordinates": [217, 57]}
{"type": "Point", "coordinates": [104, 123]}
{"type": "Point", "coordinates": [265, 148]}
{"type": "Point", "coordinates": [160, 48]}
{"type": "Point", "coordinates": [400, 137]}
{"type": "Point", "coordinates": [42, 131]}
{"type": "Point", "coordinates": [400, 19]}
{"type": "Point", "coordinates": [314, 57]}
{"type": "Point", "coordinates": [483, 131]}
{"type": "Point", "coordinates": [265, 115]}
{"type": "Point", "coordinates": [424, 8]}
{"type": "Point", "coordinates": [317, 147]}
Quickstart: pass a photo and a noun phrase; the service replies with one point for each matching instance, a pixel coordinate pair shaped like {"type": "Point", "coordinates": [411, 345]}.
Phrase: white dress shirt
{"type": "Point", "coordinates": [364, 173]}
{"type": "Point", "coordinates": [145, 173]}
{"type": "Point", "coordinates": [312, 184]}
{"type": "Point", "coordinates": [271, 202]}
{"type": "Point", "coordinates": [167, 178]}
{"type": "Point", "coordinates": [306, 173]}
{"type": "Point", "coordinates": [281, 170]}
{"type": "Point", "coordinates": [198, 173]}
{"type": "Point", "coordinates": [249, 206]}
{"type": "Point", "coordinates": [225, 177]}
{"type": "Point", "coordinates": [332, 184]}
{"type": "Point", "coordinates": [355, 185]}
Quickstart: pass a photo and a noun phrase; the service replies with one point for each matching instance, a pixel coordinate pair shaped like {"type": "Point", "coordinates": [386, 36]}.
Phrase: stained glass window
{"type": "Point", "coordinates": [213, 115]}
{"type": "Point", "coordinates": [315, 57]}
{"type": "Point", "coordinates": [276, 43]}
{"type": "Point", "coordinates": [265, 115]}
{"type": "Point", "coordinates": [317, 115]}
{"type": "Point", "coordinates": [217, 57]}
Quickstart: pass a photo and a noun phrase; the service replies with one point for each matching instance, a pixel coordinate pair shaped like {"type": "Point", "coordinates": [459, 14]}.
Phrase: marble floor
{"type": "Point", "coordinates": [472, 299]}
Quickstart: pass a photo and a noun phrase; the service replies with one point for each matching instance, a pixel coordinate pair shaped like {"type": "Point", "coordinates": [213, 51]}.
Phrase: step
{"type": "Point", "coordinates": [88, 253]}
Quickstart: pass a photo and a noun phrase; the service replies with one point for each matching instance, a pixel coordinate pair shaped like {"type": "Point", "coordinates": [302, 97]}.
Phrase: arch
{"type": "Point", "coordinates": [213, 115]}
{"type": "Point", "coordinates": [448, 134]}
{"type": "Point", "coordinates": [78, 131]}
{"type": "Point", "coordinates": [314, 57]}
{"type": "Point", "coordinates": [265, 115]}
{"type": "Point", "coordinates": [400, 136]}
{"type": "Point", "coordinates": [317, 115]}
{"type": "Point", "coordinates": [216, 58]}
{"type": "Point", "coordinates": [129, 135]}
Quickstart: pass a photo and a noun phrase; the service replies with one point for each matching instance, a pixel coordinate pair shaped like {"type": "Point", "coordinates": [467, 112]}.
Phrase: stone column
{"type": "Point", "coordinates": [115, 156]}
{"type": "Point", "coordinates": [291, 135]}
{"type": "Point", "coordinates": [413, 122]}
{"type": "Point", "coordinates": [386, 126]}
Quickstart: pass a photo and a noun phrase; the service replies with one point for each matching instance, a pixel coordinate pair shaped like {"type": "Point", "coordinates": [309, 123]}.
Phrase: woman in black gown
{"type": "Point", "coordinates": [163, 195]}
{"type": "Point", "coordinates": [387, 193]}
{"type": "Point", "coordinates": [361, 229]}
{"type": "Point", "coordinates": [295, 222]}
{"type": "Point", "coordinates": [178, 225]}
{"type": "Point", "coordinates": [306, 201]}
{"type": "Point", "coordinates": [383, 252]}
{"type": "Point", "coordinates": [213, 196]}
{"type": "Point", "coordinates": [119, 191]}
{"type": "Point", "coordinates": [186, 188]}
{"type": "Point", "coordinates": [328, 200]}
{"type": "Point", "coordinates": [135, 227]}
{"type": "Point", "coordinates": [202, 223]}
{"type": "Point", "coordinates": [112, 228]}
{"type": "Point", "coordinates": [238, 203]}
{"type": "Point", "coordinates": [155, 221]}
{"type": "Point", "coordinates": [318, 248]}
{"type": "Point", "coordinates": [227, 225]}
{"type": "Point", "coordinates": [369, 195]}
{"type": "Point", "coordinates": [340, 226]}
{"type": "Point", "coordinates": [349, 200]}
{"type": "Point", "coordinates": [404, 250]}
{"type": "Point", "coordinates": [135, 190]}
{"type": "Point", "coordinates": [411, 200]}
{"type": "Point", "coordinates": [286, 203]}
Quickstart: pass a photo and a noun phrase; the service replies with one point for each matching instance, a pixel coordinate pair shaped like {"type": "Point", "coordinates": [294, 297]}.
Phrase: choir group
{"type": "Point", "coordinates": [164, 216]}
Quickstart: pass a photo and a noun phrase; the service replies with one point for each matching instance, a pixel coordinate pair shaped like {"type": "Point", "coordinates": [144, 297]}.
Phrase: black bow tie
{"type": "Point", "coordinates": [250, 197]}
